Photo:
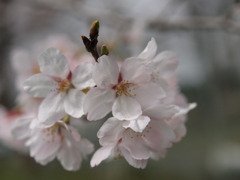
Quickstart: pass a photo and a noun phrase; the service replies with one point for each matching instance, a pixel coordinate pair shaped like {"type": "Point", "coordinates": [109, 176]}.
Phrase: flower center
{"type": "Point", "coordinates": [64, 85]}
{"type": "Point", "coordinates": [53, 133]}
{"type": "Point", "coordinates": [134, 134]}
{"type": "Point", "coordinates": [125, 88]}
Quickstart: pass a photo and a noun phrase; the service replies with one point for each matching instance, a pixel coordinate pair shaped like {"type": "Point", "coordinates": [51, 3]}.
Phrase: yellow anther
{"type": "Point", "coordinates": [63, 85]}
{"type": "Point", "coordinates": [85, 91]}
{"type": "Point", "coordinates": [125, 89]}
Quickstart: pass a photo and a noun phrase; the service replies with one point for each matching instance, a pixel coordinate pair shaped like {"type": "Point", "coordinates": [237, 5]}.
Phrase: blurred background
{"type": "Point", "coordinates": [205, 34]}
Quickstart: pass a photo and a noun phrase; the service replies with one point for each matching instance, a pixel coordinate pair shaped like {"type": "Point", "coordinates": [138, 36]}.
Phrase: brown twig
{"type": "Point", "coordinates": [91, 42]}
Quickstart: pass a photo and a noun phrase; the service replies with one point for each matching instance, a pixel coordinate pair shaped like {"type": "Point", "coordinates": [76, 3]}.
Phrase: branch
{"type": "Point", "coordinates": [197, 24]}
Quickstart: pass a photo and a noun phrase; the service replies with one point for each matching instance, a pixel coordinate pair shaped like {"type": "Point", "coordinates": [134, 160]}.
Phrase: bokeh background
{"type": "Point", "coordinates": [205, 34]}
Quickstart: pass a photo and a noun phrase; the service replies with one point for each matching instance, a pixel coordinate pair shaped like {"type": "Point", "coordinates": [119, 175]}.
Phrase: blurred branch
{"type": "Point", "coordinates": [78, 10]}
{"type": "Point", "coordinates": [197, 24]}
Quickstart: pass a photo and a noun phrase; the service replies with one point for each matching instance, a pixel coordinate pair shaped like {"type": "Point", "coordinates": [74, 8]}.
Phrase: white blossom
{"type": "Point", "coordinates": [62, 89]}
{"type": "Point", "coordinates": [59, 141]}
{"type": "Point", "coordinates": [119, 140]}
{"type": "Point", "coordinates": [125, 91]}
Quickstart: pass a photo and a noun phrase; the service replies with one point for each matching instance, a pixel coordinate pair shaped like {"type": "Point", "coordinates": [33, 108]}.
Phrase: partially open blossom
{"type": "Point", "coordinates": [162, 66]}
{"type": "Point", "coordinates": [59, 141]}
{"type": "Point", "coordinates": [163, 72]}
{"type": "Point", "coordinates": [119, 140]}
{"type": "Point", "coordinates": [125, 91]}
{"type": "Point", "coordinates": [62, 89]}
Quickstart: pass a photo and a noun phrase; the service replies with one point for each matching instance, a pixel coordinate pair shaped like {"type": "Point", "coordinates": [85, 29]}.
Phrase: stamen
{"type": "Point", "coordinates": [52, 132]}
{"type": "Point", "coordinates": [85, 91]}
{"type": "Point", "coordinates": [63, 85]}
{"type": "Point", "coordinates": [125, 88]}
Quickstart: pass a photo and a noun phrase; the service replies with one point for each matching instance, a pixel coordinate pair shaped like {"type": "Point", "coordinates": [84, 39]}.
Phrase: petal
{"type": "Point", "coordinates": [165, 63]}
{"type": "Point", "coordinates": [149, 94]}
{"type": "Point", "coordinates": [126, 108]}
{"type": "Point", "coordinates": [161, 111]}
{"type": "Point", "coordinates": [158, 136]}
{"type": "Point", "coordinates": [110, 131]}
{"type": "Point", "coordinates": [20, 128]}
{"type": "Point", "coordinates": [138, 125]}
{"type": "Point", "coordinates": [73, 103]}
{"type": "Point", "coordinates": [134, 71]}
{"type": "Point", "coordinates": [100, 155]}
{"type": "Point", "coordinates": [98, 103]}
{"type": "Point", "coordinates": [180, 131]}
{"type": "Point", "coordinates": [72, 153]}
{"type": "Point", "coordinates": [106, 72]}
{"type": "Point", "coordinates": [44, 147]}
{"type": "Point", "coordinates": [149, 51]}
{"type": "Point", "coordinates": [53, 63]}
{"type": "Point", "coordinates": [82, 76]}
{"type": "Point", "coordinates": [133, 162]}
{"type": "Point", "coordinates": [39, 85]}
{"type": "Point", "coordinates": [134, 143]}
{"type": "Point", "coordinates": [51, 109]}
{"type": "Point", "coordinates": [186, 109]}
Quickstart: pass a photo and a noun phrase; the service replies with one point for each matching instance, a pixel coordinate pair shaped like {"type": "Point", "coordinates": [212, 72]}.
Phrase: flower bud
{"type": "Point", "coordinates": [94, 29]}
{"type": "Point", "coordinates": [104, 50]}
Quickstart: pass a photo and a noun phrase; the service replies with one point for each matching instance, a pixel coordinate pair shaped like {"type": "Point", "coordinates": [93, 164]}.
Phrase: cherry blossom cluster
{"type": "Point", "coordinates": [138, 98]}
{"type": "Point", "coordinates": [25, 64]}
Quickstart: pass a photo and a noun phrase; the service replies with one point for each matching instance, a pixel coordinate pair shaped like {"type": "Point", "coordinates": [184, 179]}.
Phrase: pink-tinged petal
{"type": "Point", "coordinates": [106, 72]}
{"type": "Point", "coordinates": [161, 111]}
{"type": "Point", "coordinates": [43, 147]}
{"type": "Point", "coordinates": [158, 136]}
{"type": "Point", "coordinates": [51, 109]}
{"type": "Point", "coordinates": [149, 51]}
{"type": "Point", "coordinates": [75, 135]}
{"type": "Point", "coordinates": [180, 131]}
{"type": "Point", "coordinates": [110, 131]}
{"type": "Point", "coordinates": [98, 103]}
{"type": "Point", "coordinates": [138, 125]}
{"type": "Point", "coordinates": [149, 94]}
{"type": "Point", "coordinates": [134, 71]}
{"type": "Point", "coordinates": [44, 162]}
{"type": "Point", "coordinates": [73, 103]}
{"type": "Point", "coordinates": [82, 76]}
{"type": "Point", "coordinates": [140, 164]}
{"type": "Point", "coordinates": [165, 63]}
{"type": "Point", "coordinates": [126, 108]}
{"type": "Point", "coordinates": [20, 128]}
{"type": "Point", "coordinates": [134, 143]}
{"type": "Point", "coordinates": [83, 145]}
{"type": "Point", "coordinates": [53, 63]}
{"type": "Point", "coordinates": [169, 91]}
{"type": "Point", "coordinates": [39, 85]}
{"type": "Point", "coordinates": [101, 154]}
{"type": "Point", "coordinates": [159, 154]}
{"type": "Point", "coordinates": [72, 152]}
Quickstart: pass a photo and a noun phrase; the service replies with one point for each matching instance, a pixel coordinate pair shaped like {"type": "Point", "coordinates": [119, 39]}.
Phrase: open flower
{"type": "Point", "coordinates": [62, 89]}
{"type": "Point", "coordinates": [125, 91]}
{"type": "Point", "coordinates": [59, 141]}
{"type": "Point", "coordinates": [136, 145]}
